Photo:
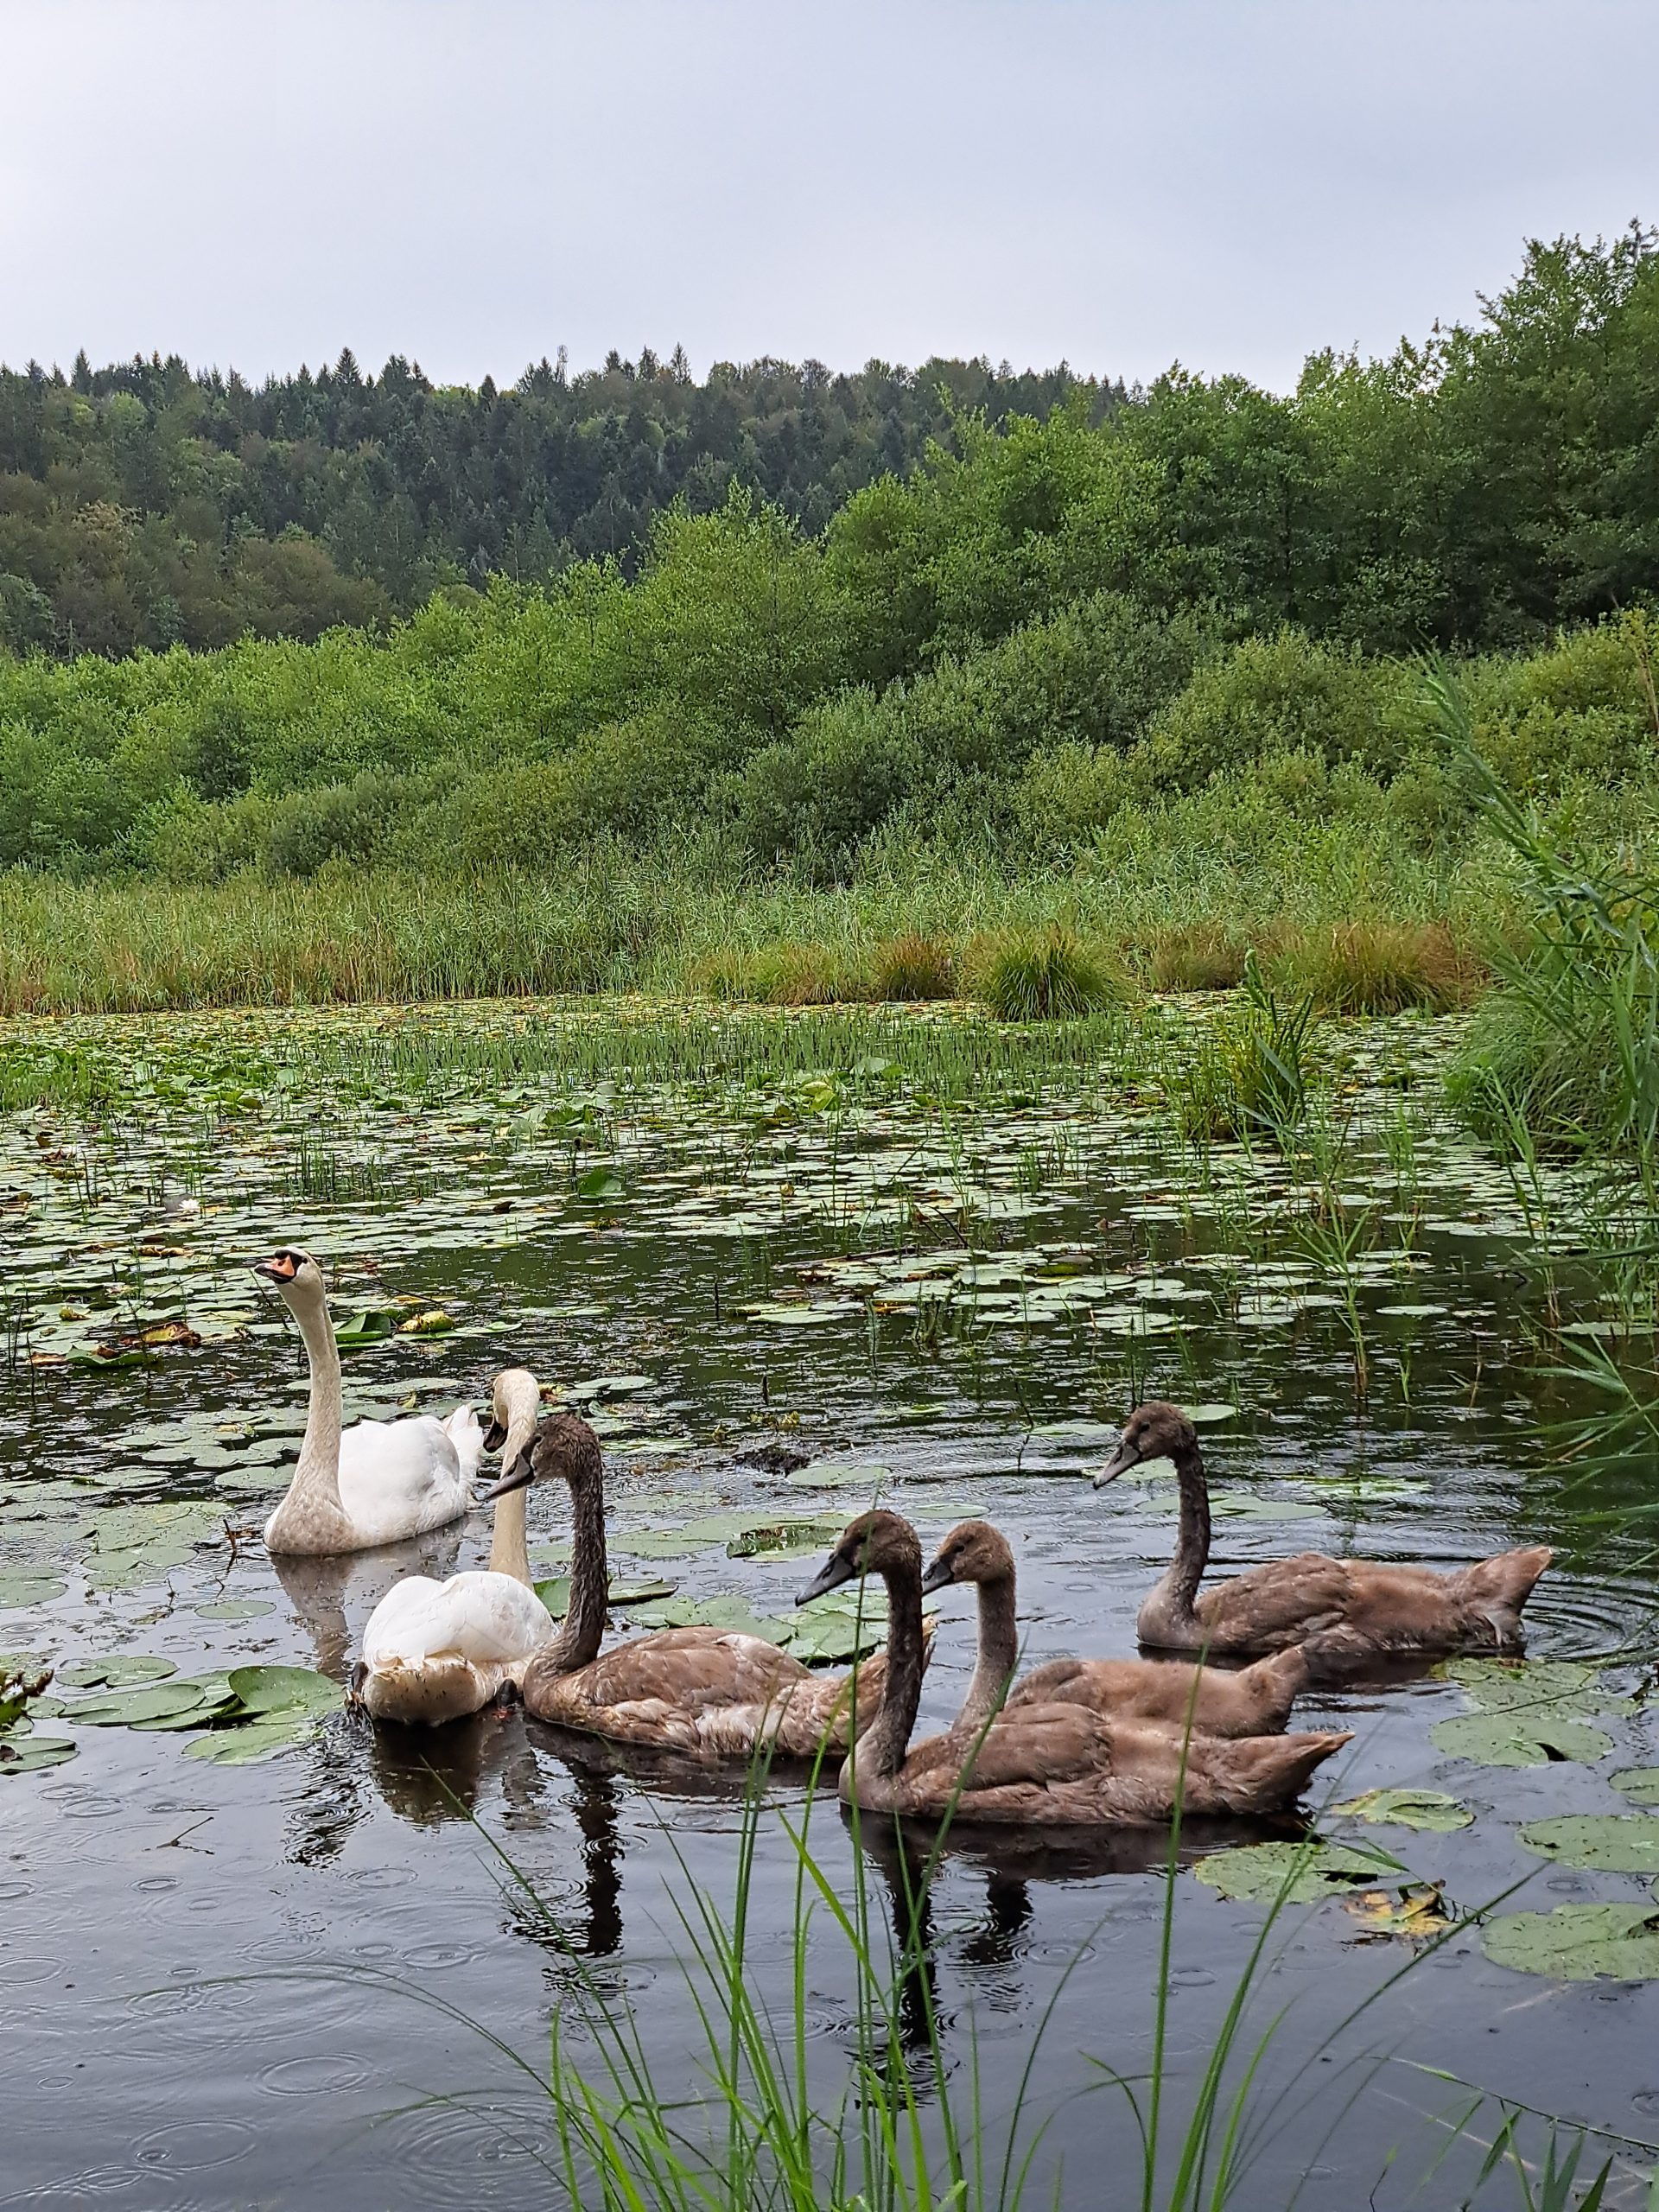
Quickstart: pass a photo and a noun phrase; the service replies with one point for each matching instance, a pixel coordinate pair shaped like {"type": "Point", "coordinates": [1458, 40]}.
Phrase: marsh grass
{"type": "Point", "coordinates": [902, 2111]}
{"type": "Point", "coordinates": [1379, 967]}
{"type": "Point", "coordinates": [1054, 977]}
{"type": "Point", "coordinates": [1249, 1075]}
{"type": "Point", "coordinates": [1571, 1040]}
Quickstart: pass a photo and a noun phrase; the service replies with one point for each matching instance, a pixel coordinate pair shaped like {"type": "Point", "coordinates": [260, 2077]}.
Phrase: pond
{"type": "Point", "coordinates": [786, 1265]}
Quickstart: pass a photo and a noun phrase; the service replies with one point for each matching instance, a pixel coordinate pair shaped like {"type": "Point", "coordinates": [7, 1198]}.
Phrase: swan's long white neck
{"type": "Point", "coordinates": [316, 1479]}
{"type": "Point", "coordinates": [509, 1552]}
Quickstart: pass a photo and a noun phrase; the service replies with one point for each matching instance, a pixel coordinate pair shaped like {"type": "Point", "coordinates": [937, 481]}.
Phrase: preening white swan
{"type": "Point", "coordinates": [381, 1481]}
{"type": "Point", "coordinates": [435, 1650]}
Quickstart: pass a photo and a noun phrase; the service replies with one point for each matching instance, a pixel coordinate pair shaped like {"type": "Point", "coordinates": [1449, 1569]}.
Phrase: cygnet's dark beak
{"type": "Point", "coordinates": [834, 1571]}
{"type": "Point", "coordinates": [1121, 1460]}
{"type": "Point", "coordinates": [940, 1576]}
{"type": "Point", "coordinates": [520, 1473]}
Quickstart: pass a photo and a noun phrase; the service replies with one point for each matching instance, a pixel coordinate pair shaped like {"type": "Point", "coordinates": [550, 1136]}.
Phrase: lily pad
{"type": "Point", "coordinates": [1211, 1416]}
{"type": "Point", "coordinates": [783, 1539]}
{"type": "Point", "coordinates": [371, 1326]}
{"type": "Point", "coordinates": [1413, 1910]}
{"type": "Point", "coordinates": [1408, 1808]}
{"type": "Point", "coordinates": [601, 1183]}
{"type": "Point", "coordinates": [122, 1709]}
{"type": "Point", "coordinates": [19, 1590]}
{"type": "Point", "coordinates": [235, 1608]}
{"type": "Point", "coordinates": [34, 1753]}
{"type": "Point", "coordinates": [1297, 1873]}
{"type": "Point", "coordinates": [247, 1746]}
{"type": "Point", "coordinates": [285, 1690]}
{"type": "Point", "coordinates": [114, 1673]}
{"type": "Point", "coordinates": [1509, 1685]}
{"type": "Point", "coordinates": [1616, 1843]}
{"type": "Point", "coordinates": [1640, 1783]}
{"type": "Point", "coordinates": [1532, 1738]}
{"type": "Point", "coordinates": [1578, 1942]}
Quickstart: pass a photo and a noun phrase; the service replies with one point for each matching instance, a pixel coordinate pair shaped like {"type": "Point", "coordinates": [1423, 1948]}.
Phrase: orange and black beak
{"type": "Point", "coordinates": [281, 1267]}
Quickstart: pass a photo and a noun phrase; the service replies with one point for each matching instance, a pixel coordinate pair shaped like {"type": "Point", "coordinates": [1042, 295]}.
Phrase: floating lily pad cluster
{"type": "Point", "coordinates": [246, 1714]}
{"type": "Point", "coordinates": [1527, 1715]}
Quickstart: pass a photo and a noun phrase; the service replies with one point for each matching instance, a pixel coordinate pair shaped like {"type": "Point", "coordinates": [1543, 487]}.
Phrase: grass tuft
{"type": "Point", "coordinates": [1378, 967]}
{"type": "Point", "coordinates": [913, 966]}
{"type": "Point", "coordinates": [1050, 978]}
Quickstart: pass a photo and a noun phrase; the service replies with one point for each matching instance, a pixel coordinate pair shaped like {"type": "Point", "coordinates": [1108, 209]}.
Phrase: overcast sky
{"type": "Point", "coordinates": [474, 182]}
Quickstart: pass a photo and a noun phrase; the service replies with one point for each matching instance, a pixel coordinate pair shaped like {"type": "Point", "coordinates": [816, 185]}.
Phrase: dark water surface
{"type": "Point", "coordinates": [267, 1984]}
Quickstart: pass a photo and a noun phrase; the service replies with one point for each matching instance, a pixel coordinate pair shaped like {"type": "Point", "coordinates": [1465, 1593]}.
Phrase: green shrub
{"type": "Point", "coordinates": [846, 766]}
{"type": "Point", "coordinates": [1286, 694]}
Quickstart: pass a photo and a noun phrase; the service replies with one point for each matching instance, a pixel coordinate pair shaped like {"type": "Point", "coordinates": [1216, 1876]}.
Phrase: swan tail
{"type": "Point", "coordinates": [1276, 1682]}
{"type": "Point", "coordinates": [1499, 1587]}
{"type": "Point", "coordinates": [1262, 1773]}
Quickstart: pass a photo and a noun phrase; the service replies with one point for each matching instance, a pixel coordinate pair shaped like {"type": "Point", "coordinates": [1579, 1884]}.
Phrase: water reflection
{"type": "Point", "coordinates": [331, 1597]}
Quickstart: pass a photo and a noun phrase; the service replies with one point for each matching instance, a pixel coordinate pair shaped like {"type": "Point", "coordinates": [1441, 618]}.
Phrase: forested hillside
{"type": "Point", "coordinates": [1476, 488]}
{"type": "Point", "coordinates": [145, 505]}
{"type": "Point", "coordinates": [1091, 608]}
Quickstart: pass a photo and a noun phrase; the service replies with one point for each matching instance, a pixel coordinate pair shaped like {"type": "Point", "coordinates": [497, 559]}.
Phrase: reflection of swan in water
{"type": "Point", "coordinates": [318, 1586]}
{"type": "Point", "coordinates": [482, 1765]}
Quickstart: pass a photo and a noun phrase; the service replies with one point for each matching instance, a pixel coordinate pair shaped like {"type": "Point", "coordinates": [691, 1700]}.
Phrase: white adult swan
{"type": "Point", "coordinates": [432, 1651]}
{"type": "Point", "coordinates": [381, 1481]}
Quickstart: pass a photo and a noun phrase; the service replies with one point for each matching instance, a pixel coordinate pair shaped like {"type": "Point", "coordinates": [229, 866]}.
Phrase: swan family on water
{"type": "Point", "coordinates": [1072, 1742]}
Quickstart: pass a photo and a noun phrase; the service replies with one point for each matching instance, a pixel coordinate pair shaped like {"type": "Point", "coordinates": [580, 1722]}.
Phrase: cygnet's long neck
{"type": "Point", "coordinates": [1180, 1585]}
{"type": "Point", "coordinates": [509, 1551]}
{"type": "Point", "coordinates": [999, 1651]}
{"type": "Point", "coordinates": [881, 1750]}
{"type": "Point", "coordinates": [316, 1477]}
{"type": "Point", "coordinates": [577, 1642]}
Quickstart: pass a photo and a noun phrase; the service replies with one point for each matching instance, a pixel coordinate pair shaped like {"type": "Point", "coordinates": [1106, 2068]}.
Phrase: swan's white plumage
{"type": "Point", "coordinates": [434, 1651]}
{"type": "Point", "coordinates": [381, 1481]}
{"type": "Point", "coordinates": [401, 1477]}
{"type": "Point", "coordinates": [488, 1619]}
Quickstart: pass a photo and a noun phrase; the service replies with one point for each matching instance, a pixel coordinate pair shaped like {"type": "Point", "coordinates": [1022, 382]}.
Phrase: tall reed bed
{"type": "Point", "coordinates": [1570, 1042]}
{"type": "Point", "coordinates": [960, 926]}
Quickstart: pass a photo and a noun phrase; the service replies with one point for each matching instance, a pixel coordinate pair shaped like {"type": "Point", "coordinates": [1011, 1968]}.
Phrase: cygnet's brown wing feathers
{"type": "Point", "coordinates": [708, 1689]}
{"type": "Point", "coordinates": [1414, 1609]}
{"type": "Point", "coordinates": [1061, 1764]}
{"type": "Point", "coordinates": [1282, 1602]}
{"type": "Point", "coordinates": [1255, 1702]}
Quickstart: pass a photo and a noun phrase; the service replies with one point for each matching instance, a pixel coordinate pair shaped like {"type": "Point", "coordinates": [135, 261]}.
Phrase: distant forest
{"type": "Point", "coordinates": [147, 504]}
{"type": "Point", "coordinates": [1474, 490]}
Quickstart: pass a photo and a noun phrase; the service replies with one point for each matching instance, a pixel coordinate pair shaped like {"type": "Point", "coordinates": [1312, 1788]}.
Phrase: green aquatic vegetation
{"type": "Point", "coordinates": [1640, 1783]}
{"type": "Point", "coordinates": [1431, 1810]}
{"type": "Point", "coordinates": [148, 1702]}
{"type": "Point", "coordinates": [1528, 1714]}
{"type": "Point", "coordinates": [1578, 1942]}
{"type": "Point", "coordinates": [1294, 1873]}
{"type": "Point", "coordinates": [1622, 1843]}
